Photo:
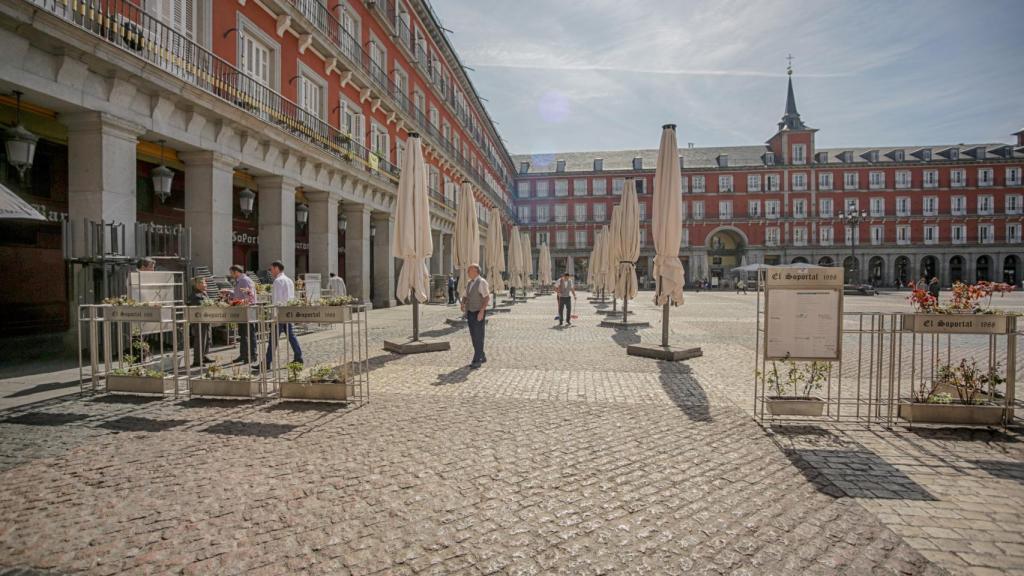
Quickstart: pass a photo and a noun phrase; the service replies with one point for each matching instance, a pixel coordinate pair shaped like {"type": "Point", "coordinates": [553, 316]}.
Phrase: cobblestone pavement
{"type": "Point", "coordinates": [562, 455]}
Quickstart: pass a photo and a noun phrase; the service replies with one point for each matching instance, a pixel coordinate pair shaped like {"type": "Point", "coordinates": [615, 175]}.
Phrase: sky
{"type": "Point", "coordinates": [585, 75]}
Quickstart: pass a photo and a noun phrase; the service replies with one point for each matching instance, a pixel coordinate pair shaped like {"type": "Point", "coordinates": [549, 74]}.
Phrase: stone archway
{"type": "Point", "coordinates": [851, 270]}
{"type": "Point", "coordinates": [826, 261]}
{"type": "Point", "coordinates": [1011, 270]}
{"type": "Point", "coordinates": [929, 268]}
{"type": "Point", "coordinates": [983, 269]}
{"type": "Point", "coordinates": [876, 271]}
{"type": "Point", "coordinates": [957, 269]}
{"type": "Point", "coordinates": [726, 248]}
{"type": "Point", "coordinates": [901, 270]}
{"type": "Point", "coordinates": [800, 260]}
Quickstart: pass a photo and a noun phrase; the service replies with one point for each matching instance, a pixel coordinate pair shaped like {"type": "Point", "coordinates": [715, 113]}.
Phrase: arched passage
{"type": "Point", "coordinates": [901, 270]}
{"type": "Point", "coordinates": [826, 261]}
{"type": "Point", "coordinates": [800, 260]}
{"type": "Point", "coordinates": [1011, 269]}
{"type": "Point", "coordinates": [851, 270]}
{"type": "Point", "coordinates": [929, 267]}
{"type": "Point", "coordinates": [957, 269]}
{"type": "Point", "coordinates": [983, 269]}
{"type": "Point", "coordinates": [726, 248]}
{"type": "Point", "coordinates": [876, 271]}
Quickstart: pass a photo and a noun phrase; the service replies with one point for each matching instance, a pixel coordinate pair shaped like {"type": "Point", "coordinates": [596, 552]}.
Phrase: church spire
{"type": "Point", "coordinates": [791, 119]}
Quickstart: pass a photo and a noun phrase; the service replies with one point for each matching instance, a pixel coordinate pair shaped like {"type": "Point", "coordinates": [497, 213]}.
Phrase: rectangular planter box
{"type": "Point", "coordinates": [953, 413]}
{"type": "Point", "coordinates": [135, 384]}
{"type": "Point", "coordinates": [318, 391]}
{"type": "Point", "coordinates": [959, 323]}
{"type": "Point", "coordinates": [238, 388]}
{"type": "Point", "coordinates": [795, 405]}
{"type": "Point", "coordinates": [219, 315]}
{"type": "Point", "coordinates": [138, 314]}
{"type": "Point", "coordinates": [314, 314]}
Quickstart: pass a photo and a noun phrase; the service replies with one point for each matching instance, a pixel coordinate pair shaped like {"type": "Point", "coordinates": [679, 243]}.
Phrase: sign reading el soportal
{"type": "Point", "coordinates": [957, 323]}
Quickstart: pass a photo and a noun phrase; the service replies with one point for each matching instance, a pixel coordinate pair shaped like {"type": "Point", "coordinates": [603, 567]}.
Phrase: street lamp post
{"type": "Point", "coordinates": [852, 218]}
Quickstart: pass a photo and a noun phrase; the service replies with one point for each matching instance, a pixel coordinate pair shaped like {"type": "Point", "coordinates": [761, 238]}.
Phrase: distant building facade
{"type": "Point", "coordinates": [887, 215]}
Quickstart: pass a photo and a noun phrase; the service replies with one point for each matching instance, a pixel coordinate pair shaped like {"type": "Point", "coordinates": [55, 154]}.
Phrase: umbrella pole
{"type": "Point", "coordinates": [415, 317]}
{"type": "Point", "coordinates": [664, 325]}
{"type": "Point", "coordinates": [625, 309]}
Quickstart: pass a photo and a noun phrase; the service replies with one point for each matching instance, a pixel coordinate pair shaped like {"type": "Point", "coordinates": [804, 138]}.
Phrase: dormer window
{"type": "Point", "coordinates": [897, 156]}
{"type": "Point", "coordinates": [598, 164]}
{"type": "Point", "coordinates": [926, 154]}
{"type": "Point", "coordinates": [681, 163]}
{"type": "Point", "coordinates": [723, 160]}
{"type": "Point", "coordinates": [560, 166]}
{"type": "Point", "coordinates": [870, 156]}
{"type": "Point", "coordinates": [799, 154]}
{"type": "Point", "coordinates": [845, 157]}
{"type": "Point", "coordinates": [638, 163]}
{"type": "Point", "coordinates": [524, 167]}
{"type": "Point", "coordinates": [821, 157]}
{"type": "Point", "coordinates": [769, 158]}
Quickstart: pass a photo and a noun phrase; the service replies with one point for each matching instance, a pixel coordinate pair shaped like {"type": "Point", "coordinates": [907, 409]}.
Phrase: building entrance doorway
{"type": "Point", "coordinates": [725, 252]}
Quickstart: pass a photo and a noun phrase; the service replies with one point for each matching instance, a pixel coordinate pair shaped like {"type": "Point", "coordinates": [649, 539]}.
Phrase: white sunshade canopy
{"type": "Point", "coordinates": [629, 242]}
{"type": "Point", "coordinates": [515, 258]}
{"type": "Point", "coordinates": [467, 235]}
{"type": "Point", "coordinates": [495, 253]}
{"type": "Point", "coordinates": [544, 265]}
{"type": "Point", "coordinates": [411, 241]}
{"type": "Point", "coordinates": [667, 226]}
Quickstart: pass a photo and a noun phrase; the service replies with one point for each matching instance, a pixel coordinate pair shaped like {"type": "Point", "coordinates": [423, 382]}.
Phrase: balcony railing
{"type": "Point", "coordinates": [124, 24]}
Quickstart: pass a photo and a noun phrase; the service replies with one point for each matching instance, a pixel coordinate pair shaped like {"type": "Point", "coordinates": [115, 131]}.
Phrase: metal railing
{"type": "Point", "coordinates": [124, 24]}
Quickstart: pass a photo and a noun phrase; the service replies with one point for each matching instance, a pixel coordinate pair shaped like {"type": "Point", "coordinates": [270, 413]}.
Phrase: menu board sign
{"type": "Point", "coordinates": [803, 314]}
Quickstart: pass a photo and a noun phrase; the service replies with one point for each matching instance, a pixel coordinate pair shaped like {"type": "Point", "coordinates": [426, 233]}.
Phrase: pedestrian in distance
{"type": "Point", "coordinates": [474, 304]}
{"type": "Point", "coordinates": [452, 287]}
{"type": "Point", "coordinates": [336, 286]}
{"type": "Point", "coordinates": [244, 290]}
{"type": "Point", "coordinates": [933, 287]}
{"type": "Point", "coordinates": [199, 334]}
{"type": "Point", "coordinates": [282, 291]}
{"type": "Point", "coordinates": [566, 291]}
{"type": "Point", "coordinates": [741, 285]}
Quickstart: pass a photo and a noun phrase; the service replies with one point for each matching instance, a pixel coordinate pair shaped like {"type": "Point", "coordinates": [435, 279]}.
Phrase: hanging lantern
{"type": "Point", "coordinates": [246, 198]}
{"type": "Point", "coordinates": [342, 223]}
{"type": "Point", "coordinates": [302, 215]}
{"type": "Point", "coordinates": [20, 143]}
{"type": "Point", "coordinates": [163, 177]}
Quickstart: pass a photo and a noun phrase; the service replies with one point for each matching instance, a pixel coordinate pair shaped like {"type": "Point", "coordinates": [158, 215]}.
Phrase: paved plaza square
{"type": "Point", "coordinates": [562, 455]}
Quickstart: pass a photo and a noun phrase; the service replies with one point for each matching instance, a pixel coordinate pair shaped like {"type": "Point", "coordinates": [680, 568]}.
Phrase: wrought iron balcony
{"type": "Point", "coordinates": [124, 24]}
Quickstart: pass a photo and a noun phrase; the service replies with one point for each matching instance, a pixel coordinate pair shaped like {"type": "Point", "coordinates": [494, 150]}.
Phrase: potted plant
{"type": "Point", "coordinates": [958, 394]}
{"type": "Point", "coordinates": [218, 381]}
{"type": "Point", "coordinates": [793, 386]}
{"type": "Point", "coordinates": [321, 382]}
{"type": "Point", "coordinates": [135, 378]}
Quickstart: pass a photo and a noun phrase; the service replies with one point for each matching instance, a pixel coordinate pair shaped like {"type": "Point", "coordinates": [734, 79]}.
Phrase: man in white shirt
{"type": "Point", "coordinates": [282, 291]}
{"type": "Point", "coordinates": [337, 286]}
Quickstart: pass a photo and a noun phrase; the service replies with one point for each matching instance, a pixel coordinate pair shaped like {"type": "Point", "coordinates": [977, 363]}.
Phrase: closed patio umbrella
{"type": "Point", "coordinates": [570, 266]}
{"type": "Point", "coordinates": [12, 207]}
{"type": "Point", "coordinates": [611, 257]}
{"type": "Point", "coordinates": [544, 265]}
{"type": "Point", "coordinates": [629, 245]}
{"type": "Point", "coordinates": [411, 242]}
{"type": "Point", "coordinates": [667, 212]}
{"type": "Point", "coordinates": [597, 268]}
{"type": "Point", "coordinates": [515, 259]}
{"type": "Point", "coordinates": [591, 262]}
{"type": "Point", "coordinates": [527, 260]}
{"type": "Point", "coordinates": [495, 254]}
{"type": "Point", "coordinates": [467, 235]}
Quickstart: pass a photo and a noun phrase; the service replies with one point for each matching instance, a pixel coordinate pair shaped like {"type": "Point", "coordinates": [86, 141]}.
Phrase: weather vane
{"type": "Point", "coordinates": [789, 65]}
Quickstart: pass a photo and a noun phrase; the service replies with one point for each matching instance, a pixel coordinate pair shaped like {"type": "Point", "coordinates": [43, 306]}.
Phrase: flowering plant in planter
{"type": "Point", "coordinates": [796, 380]}
{"type": "Point", "coordinates": [966, 298]}
{"type": "Point", "coordinates": [972, 385]}
{"type": "Point", "coordinates": [135, 370]}
{"type": "Point", "coordinates": [127, 301]}
{"type": "Point", "coordinates": [217, 372]}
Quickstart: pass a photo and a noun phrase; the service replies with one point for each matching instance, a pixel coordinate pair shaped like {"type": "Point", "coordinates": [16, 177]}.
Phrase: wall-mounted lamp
{"type": "Point", "coordinates": [163, 177]}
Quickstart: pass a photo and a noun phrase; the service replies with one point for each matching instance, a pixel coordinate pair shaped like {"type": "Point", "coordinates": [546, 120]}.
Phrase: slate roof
{"type": "Point", "coordinates": [739, 157]}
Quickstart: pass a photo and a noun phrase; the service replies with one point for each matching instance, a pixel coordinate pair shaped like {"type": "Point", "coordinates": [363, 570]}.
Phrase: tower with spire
{"type": "Point", "coordinates": [793, 143]}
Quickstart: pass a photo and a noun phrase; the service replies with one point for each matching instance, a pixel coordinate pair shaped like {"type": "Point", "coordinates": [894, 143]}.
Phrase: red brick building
{"type": "Point", "coordinates": [886, 214]}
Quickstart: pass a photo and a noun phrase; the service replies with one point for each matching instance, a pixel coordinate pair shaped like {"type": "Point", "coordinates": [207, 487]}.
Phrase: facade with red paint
{"type": "Point", "coordinates": [954, 212]}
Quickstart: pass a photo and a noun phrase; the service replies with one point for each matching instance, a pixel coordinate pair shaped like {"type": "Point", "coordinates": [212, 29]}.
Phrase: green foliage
{"type": "Point", "coordinates": [796, 378]}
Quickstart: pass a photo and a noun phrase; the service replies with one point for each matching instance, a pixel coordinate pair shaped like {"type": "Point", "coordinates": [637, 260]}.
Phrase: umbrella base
{"type": "Point", "coordinates": [498, 310]}
{"type": "Point", "coordinates": [618, 323]}
{"type": "Point", "coordinates": [417, 346]}
{"type": "Point", "coordinates": [614, 312]}
{"type": "Point", "coordinates": [663, 353]}
{"type": "Point", "coordinates": [459, 321]}
{"type": "Point", "coordinates": [509, 302]}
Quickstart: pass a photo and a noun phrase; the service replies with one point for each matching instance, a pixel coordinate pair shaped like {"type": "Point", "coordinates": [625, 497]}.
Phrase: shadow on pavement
{"type": "Point", "coordinates": [454, 377]}
{"type": "Point", "coordinates": [249, 429]}
{"type": "Point", "coordinates": [46, 418]}
{"type": "Point", "coordinates": [305, 406]}
{"type": "Point", "coordinates": [438, 332]}
{"type": "Point", "coordinates": [857, 473]}
{"type": "Point", "coordinates": [625, 337]}
{"type": "Point", "coordinates": [1002, 469]}
{"type": "Point", "coordinates": [683, 389]}
{"type": "Point", "coordinates": [42, 388]}
{"type": "Point", "coordinates": [124, 399]}
{"type": "Point", "coordinates": [140, 424]}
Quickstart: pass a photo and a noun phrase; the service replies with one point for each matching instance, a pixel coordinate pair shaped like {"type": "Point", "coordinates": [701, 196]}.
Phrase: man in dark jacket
{"type": "Point", "coordinates": [199, 333]}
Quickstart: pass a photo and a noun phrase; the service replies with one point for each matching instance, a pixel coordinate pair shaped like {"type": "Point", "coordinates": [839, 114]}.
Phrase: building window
{"type": "Point", "coordinates": [850, 181]}
{"type": "Point", "coordinates": [903, 206]}
{"type": "Point", "coordinates": [931, 178]}
{"type": "Point", "coordinates": [643, 237]}
{"type": "Point", "coordinates": [685, 238]}
{"type": "Point", "coordinates": [931, 234]}
{"type": "Point", "coordinates": [600, 186]}
{"type": "Point", "coordinates": [579, 187]}
{"type": "Point", "coordinates": [986, 233]}
{"type": "Point", "coordinates": [799, 181]}
{"type": "Point", "coordinates": [985, 176]}
{"type": "Point", "coordinates": [399, 153]}
{"type": "Point", "coordinates": [561, 187]}
{"type": "Point", "coordinates": [771, 236]}
{"type": "Point", "coordinates": [903, 179]}
{"type": "Point", "coordinates": [957, 178]}
{"type": "Point", "coordinates": [435, 118]}
{"type": "Point", "coordinates": [800, 208]}
{"type": "Point", "coordinates": [877, 207]}
{"type": "Point", "coordinates": [773, 182]}
{"type": "Point", "coordinates": [543, 213]}
{"type": "Point", "coordinates": [800, 236]}
{"type": "Point", "coordinates": [684, 184]}
{"type": "Point", "coordinates": [769, 158]}
{"type": "Point", "coordinates": [257, 54]}
{"type": "Point", "coordinates": [581, 238]}
{"type": "Point", "coordinates": [754, 183]}
{"type": "Point", "coordinates": [351, 119]}
{"type": "Point", "coordinates": [825, 181]}
{"type": "Point", "coordinates": [931, 206]}
{"type": "Point", "coordinates": [903, 234]}
{"type": "Point", "coordinates": [698, 209]}
{"type": "Point", "coordinates": [643, 210]}
{"type": "Point", "coordinates": [523, 188]}
{"type": "Point", "coordinates": [826, 235]}
{"type": "Point", "coordinates": [698, 184]}
{"type": "Point", "coordinates": [618, 185]}
{"type": "Point", "coordinates": [380, 141]}
{"type": "Point", "coordinates": [640, 184]}
{"type": "Point", "coordinates": [600, 211]}
{"type": "Point", "coordinates": [1013, 203]}
{"type": "Point", "coordinates": [985, 204]}
{"type": "Point", "coordinates": [311, 92]}
{"type": "Point", "coordinates": [725, 210]}
{"type": "Point", "coordinates": [580, 212]}
{"type": "Point", "coordinates": [852, 235]}
{"type": "Point", "coordinates": [561, 213]}
{"type": "Point", "coordinates": [524, 214]}
{"type": "Point", "coordinates": [876, 180]}
{"type": "Point", "coordinates": [958, 205]}
{"type": "Point", "coordinates": [825, 207]}
{"type": "Point", "coordinates": [1013, 176]}
{"type": "Point", "coordinates": [959, 233]}
{"type": "Point", "coordinates": [754, 208]}
{"type": "Point", "coordinates": [877, 235]}
{"type": "Point", "coordinates": [725, 183]}
{"type": "Point", "coordinates": [542, 238]}
{"type": "Point", "coordinates": [561, 239]}
{"type": "Point", "coordinates": [543, 188]}
{"type": "Point", "coordinates": [771, 209]}
{"type": "Point", "coordinates": [1013, 233]}
{"type": "Point", "coordinates": [852, 205]}
{"type": "Point", "coordinates": [799, 154]}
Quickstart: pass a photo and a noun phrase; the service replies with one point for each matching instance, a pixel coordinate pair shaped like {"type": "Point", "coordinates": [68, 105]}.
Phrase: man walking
{"type": "Point", "coordinates": [282, 291]}
{"type": "Point", "coordinates": [566, 290]}
{"type": "Point", "coordinates": [452, 286]}
{"type": "Point", "coordinates": [474, 304]}
{"type": "Point", "coordinates": [336, 286]}
{"type": "Point", "coordinates": [244, 290]}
